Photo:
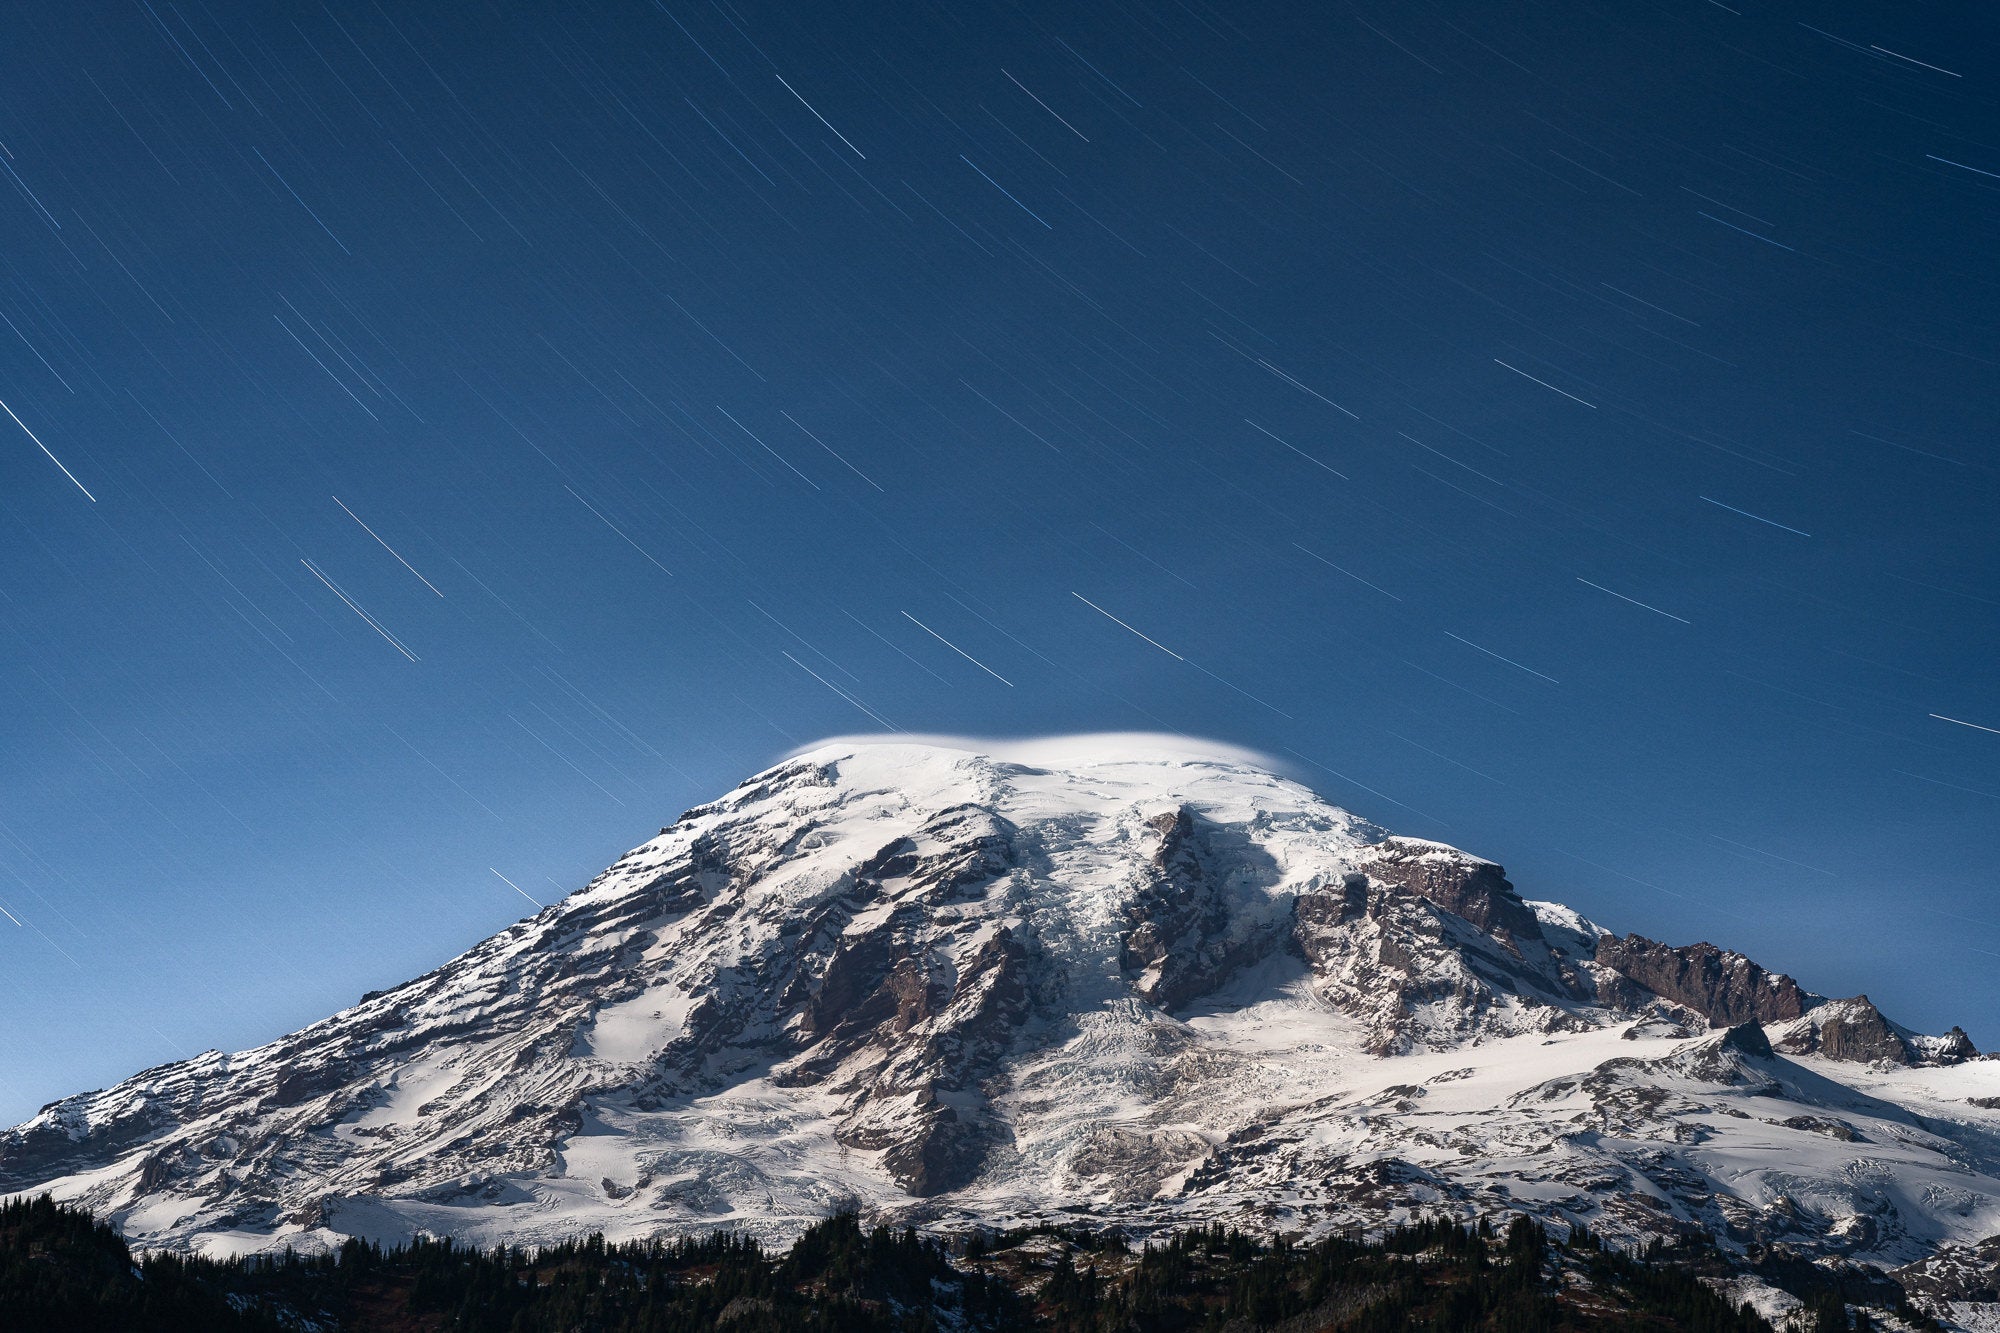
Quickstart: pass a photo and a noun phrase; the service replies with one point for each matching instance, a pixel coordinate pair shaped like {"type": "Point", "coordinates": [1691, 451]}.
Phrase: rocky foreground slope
{"type": "Point", "coordinates": [1112, 979]}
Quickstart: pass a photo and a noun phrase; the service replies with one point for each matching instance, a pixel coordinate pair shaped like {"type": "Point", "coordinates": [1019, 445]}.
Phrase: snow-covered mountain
{"type": "Point", "coordinates": [1124, 978]}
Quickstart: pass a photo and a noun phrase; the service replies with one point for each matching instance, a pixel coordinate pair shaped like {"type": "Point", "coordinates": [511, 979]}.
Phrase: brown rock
{"type": "Point", "coordinates": [1474, 889]}
{"type": "Point", "coordinates": [1854, 1030]}
{"type": "Point", "coordinates": [1724, 987]}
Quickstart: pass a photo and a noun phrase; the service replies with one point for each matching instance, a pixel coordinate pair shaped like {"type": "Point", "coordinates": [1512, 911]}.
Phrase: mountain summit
{"type": "Point", "coordinates": [1126, 980]}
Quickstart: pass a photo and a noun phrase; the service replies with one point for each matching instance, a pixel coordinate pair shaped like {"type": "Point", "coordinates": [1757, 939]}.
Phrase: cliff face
{"type": "Point", "coordinates": [1860, 1032]}
{"type": "Point", "coordinates": [1722, 986]}
{"type": "Point", "coordinates": [1184, 941]}
{"type": "Point", "coordinates": [1463, 885]}
{"type": "Point", "coordinates": [1856, 1030]}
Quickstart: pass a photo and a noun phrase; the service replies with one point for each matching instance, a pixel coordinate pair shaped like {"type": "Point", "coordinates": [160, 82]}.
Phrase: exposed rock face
{"type": "Point", "coordinates": [904, 1030]}
{"type": "Point", "coordinates": [1421, 975]}
{"type": "Point", "coordinates": [1464, 885]}
{"type": "Point", "coordinates": [63, 1138]}
{"type": "Point", "coordinates": [1854, 1030]}
{"type": "Point", "coordinates": [1953, 1047]}
{"type": "Point", "coordinates": [1184, 940]}
{"type": "Point", "coordinates": [946, 985]}
{"type": "Point", "coordinates": [1858, 1031]}
{"type": "Point", "coordinates": [1724, 987]}
{"type": "Point", "coordinates": [1749, 1039]}
{"type": "Point", "coordinates": [1969, 1273]}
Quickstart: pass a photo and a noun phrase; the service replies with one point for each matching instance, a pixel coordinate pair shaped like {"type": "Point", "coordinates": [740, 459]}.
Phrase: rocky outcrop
{"type": "Point", "coordinates": [1722, 986]}
{"type": "Point", "coordinates": [1853, 1030]}
{"type": "Point", "coordinates": [58, 1140]}
{"type": "Point", "coordinates": [1420, 974]}
{"type": "Point", "coordinates": [1969, 1273]}
{"type": "Point", "coordinates": [1748, 1039]}
{"type": "Point", "coordinates": [1182, 941]}
{"type": "Point", "coordinates": [1462, 885]}
{"type": "Point", "coordinates": [909, 1031]}
{"type": "Point", "coordinates": [1954, 1047]}
{"type": "Point", "coordinates": [1856, 1030]}
{"type": "Point", "coordinates": [927, 1106]}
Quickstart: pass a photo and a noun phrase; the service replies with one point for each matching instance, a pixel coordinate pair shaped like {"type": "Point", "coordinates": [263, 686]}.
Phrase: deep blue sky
{"type": "Point", "coordinates": [1367, 359]}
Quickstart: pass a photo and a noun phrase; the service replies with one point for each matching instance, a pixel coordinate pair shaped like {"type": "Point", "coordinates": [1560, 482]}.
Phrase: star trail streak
{"type": "Point", "coordinates": [960, 651]}
{"type": "Point", "coordinates": [45, 449]}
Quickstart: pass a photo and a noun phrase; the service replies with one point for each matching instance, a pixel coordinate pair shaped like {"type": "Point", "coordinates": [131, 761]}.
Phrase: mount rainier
{"type": "Point", "coordinates": [1129, 981]}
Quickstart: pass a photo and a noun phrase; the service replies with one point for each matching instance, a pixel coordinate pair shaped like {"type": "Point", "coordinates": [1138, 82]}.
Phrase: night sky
{"type": "Point", "coordinates": [444, 441]}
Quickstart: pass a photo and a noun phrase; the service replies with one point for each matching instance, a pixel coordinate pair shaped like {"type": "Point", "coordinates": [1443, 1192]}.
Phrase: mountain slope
{"type": "Point", "coordinates": [1147, 982]}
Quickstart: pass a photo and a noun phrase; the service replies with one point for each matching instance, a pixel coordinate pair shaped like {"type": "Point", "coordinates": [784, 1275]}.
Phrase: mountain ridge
{"type": "Point", "coordinates": [1124, 978]}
